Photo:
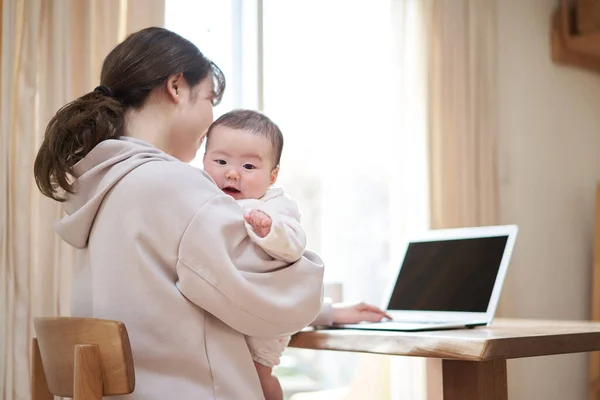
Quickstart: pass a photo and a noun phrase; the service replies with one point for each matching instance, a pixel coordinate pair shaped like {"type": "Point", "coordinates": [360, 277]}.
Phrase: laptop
{"type": "Point", "coordinates": [448, 279]}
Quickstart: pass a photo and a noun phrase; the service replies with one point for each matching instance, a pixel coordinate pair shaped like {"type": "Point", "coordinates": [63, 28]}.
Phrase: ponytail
{"type": "Point", "coordinates": [133, 69]}
{"type": "Point", "coordinates": [71, 134]}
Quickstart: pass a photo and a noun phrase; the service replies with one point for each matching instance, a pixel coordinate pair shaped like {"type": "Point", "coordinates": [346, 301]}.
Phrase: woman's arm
{"type": "Point", "coordinates": [215, 254]}
{"type": "Point", "coordinates": [325, 317]}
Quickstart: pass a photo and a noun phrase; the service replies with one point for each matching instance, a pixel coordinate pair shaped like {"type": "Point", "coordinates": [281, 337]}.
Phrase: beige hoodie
{"type": "Point", "coordinates": [166, 252]}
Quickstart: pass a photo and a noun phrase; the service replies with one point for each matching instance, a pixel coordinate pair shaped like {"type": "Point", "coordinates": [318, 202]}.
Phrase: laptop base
{"type": "Point", "coordinates": [409, 326]}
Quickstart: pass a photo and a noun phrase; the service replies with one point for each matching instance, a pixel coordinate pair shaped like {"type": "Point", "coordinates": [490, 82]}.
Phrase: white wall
{"type": "Point", "coordinates": [549, 166]}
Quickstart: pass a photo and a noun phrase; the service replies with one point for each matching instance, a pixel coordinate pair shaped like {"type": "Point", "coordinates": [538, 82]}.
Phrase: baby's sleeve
{"type": "Point", "coordinates": [286, 241]}
{"type": "Point", "coordinates": [267, 352]}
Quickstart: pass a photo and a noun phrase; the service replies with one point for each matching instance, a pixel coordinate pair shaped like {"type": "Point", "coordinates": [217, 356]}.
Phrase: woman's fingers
{"type": "Point", "coordinates": [376, 310]}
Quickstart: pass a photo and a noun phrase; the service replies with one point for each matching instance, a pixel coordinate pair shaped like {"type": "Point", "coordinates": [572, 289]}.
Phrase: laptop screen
{"type": "Point", "coordinates": [448, 275]}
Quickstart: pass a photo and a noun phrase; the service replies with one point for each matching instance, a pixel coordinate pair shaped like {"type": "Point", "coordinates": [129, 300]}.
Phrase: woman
{"type": "Point", "coordinates": [162, 248]}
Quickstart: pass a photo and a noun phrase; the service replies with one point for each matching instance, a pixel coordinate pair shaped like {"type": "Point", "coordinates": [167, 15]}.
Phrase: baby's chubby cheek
{"type": "Point", "coordinates": [214, 178]}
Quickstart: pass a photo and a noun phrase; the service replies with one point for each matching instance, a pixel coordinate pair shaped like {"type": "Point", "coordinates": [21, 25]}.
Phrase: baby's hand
{"type": "Point", "coordinates": [260, 222]}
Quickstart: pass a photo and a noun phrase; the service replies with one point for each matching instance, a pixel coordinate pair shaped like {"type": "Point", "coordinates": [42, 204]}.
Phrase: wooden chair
{"type": "Point", "coordinates": [81, 358]}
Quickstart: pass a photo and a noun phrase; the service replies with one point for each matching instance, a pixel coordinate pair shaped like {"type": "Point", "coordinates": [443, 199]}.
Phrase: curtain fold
{"type": "Point", "coordinates": [51, 53]}
{"type": "Point", "coordinates": [462, 123]}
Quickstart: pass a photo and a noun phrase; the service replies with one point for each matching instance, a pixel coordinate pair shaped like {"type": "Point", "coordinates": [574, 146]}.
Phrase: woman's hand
{"type": "Point", "coordinates": [352, 313]}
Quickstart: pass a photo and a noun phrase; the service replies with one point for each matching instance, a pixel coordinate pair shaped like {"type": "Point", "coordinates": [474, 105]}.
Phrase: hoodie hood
{"type": "Point", "coordinates": [95, 176]}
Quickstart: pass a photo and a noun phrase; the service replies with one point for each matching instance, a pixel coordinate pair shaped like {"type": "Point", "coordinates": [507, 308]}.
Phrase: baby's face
{"type": "Point", "coordinates": [240, 162]}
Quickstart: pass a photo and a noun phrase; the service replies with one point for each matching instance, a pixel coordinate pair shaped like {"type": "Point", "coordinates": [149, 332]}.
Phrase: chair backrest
{"type": "Point", "coordinates": [82, 358]}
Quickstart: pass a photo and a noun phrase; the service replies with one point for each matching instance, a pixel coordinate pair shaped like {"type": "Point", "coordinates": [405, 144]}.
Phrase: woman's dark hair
{"type": "Point", "coordinates": [142, 62]}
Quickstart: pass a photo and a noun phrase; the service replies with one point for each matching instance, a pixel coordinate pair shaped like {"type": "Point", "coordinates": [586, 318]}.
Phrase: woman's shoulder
{"type": "Point", "coordinates": [177, 170]}
{"type": "Point", "coordinates": [173, 181]}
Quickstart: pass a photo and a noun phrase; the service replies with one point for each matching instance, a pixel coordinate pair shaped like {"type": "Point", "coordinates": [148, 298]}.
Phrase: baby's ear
{"type": "Point", "coordinates": [274, 174]}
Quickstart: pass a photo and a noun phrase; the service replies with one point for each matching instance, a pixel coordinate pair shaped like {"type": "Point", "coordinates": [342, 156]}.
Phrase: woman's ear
{"type": "Point", "coordinates": [174, 84]}
{"type": "Point", "coordinates": [274, 174]}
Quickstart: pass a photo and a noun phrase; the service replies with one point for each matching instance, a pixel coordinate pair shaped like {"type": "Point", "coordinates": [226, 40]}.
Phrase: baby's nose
{"type": "Point", "coordinates": [232, 174]}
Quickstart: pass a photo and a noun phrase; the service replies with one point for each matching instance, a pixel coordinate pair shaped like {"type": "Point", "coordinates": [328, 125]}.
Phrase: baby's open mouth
{"type": "Point", "coordinates": [230, 190]}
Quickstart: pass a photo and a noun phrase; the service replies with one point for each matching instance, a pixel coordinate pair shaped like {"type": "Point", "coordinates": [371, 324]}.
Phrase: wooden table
{"type": "Point", "coordinates": [474, 360]}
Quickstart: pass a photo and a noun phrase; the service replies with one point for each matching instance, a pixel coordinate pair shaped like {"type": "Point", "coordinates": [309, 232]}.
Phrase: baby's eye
{"type": "Point", "coordinates": [221, 162]}
{"type": "Point", "coordinates": [249, 166]}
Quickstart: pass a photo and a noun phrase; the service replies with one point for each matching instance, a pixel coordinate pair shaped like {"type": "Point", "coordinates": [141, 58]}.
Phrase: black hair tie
{"type": "Point", "coordinates": [105, 90]}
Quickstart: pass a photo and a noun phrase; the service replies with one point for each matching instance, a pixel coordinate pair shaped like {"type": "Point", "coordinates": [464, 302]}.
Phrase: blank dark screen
{"type": "Point", "coordinates": [448, 275]}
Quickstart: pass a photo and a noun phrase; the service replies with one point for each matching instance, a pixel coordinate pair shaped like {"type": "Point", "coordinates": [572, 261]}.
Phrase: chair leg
{"type": "Point", "coordinates": [88, 373]}
{"type": "Point", "coordinates": [39, 386]}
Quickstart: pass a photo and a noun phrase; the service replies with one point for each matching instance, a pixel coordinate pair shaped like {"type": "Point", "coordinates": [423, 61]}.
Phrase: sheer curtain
{"type": "Point", "coordinates": [344, 80]}
{"type": "Point", "coordinates": [52, 52]}
{"type": "Point", "coordinates": [394, 134]}
{"type": "Point", "coordinates": [352, 116]}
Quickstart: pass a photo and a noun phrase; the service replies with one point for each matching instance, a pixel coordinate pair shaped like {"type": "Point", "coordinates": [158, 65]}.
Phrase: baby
{"type": "Point", "coordinates": [243, 150]}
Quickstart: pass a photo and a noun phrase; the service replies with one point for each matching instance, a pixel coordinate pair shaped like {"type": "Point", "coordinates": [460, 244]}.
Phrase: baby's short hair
{"type": "Point", "coordinates": [254, 122]}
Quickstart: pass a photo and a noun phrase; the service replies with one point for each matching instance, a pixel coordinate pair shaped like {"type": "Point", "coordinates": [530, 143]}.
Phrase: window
{"type": "Point", "coordinates": [226, 32]}
{"type": "Point", "coordinates": [338, 79]}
